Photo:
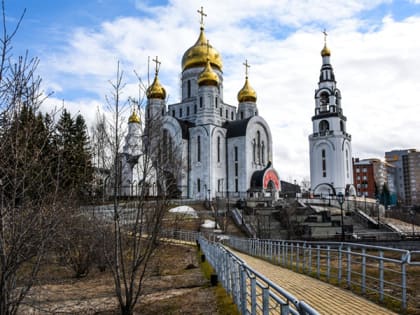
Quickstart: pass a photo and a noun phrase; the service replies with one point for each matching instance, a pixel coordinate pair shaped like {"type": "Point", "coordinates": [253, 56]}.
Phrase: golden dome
{"type": "Point", "coordinates": [208, 76]}
{"type": "Point", "coordinates": [156, 90]}
{"type": "Point", "coordinates": [197, 55]}
{"type": "Point", "coordinates": [247, 93]}
{"type": "Point", "coordinates": [134, 118]}
{"type": "Point", "coordinates": [325, 52]}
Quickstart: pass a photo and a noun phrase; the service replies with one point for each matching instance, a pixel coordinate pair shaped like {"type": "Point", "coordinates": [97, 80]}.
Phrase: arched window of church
{"type": "Point", "coordinates": [254, 158]}
{"type": "Point", "coordinates": [231, 115]}
{"type": "Point", "coordinates": [262, 153]}
{"type": "Point", "coordinates": [163, 112]}
{"type": "Point", "coordinates": [236, 154]}
{"type": "Point", "coordinates": [342, 126]}
{"type": "Point", "coordinates": [258, 147]}
{"type": "Point", "coordinates": [198, 149]}
{"type": "Point", "coordinates": [221, 112]}
{"type": "Point", "coordinates": [216, 101]}
{"type": "Point", "coordinates": [201, 101]}
{"type": "Point", "coordinates": [189, 88]}
{"type": "Point", "coordinates": [347, 164]}
{"type": "Point", "coordinates": [227, 114]}
{"type": "Point", "coordinates": [324, 163]}
{"type": "Point", "coordinates": [188, 111]}
{"type": "Point", "coordinates": [198, 185]}
{"type": "Point", "coordinates": [337, 98]}
{"type": "Point", "coordinates": [218, 149]}
{"type": "Point", "coordinates": [324, 126]}
{"type": "Point", "coordinates": [242, 115]}
{"type": "Point", "coordinates": [323, 101]}
{"type": "Point", "coordinates": [195, 109]}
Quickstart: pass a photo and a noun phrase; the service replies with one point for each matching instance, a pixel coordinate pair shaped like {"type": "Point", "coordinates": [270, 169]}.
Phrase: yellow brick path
{"type": "Point", "coordinates": [323, 297]}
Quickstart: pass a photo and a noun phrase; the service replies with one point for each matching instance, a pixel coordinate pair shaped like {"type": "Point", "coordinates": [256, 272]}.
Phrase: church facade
{"type": "Point", "coordinates": [330, 143]}
{"type": "Point", "coordinates": [217, 148]}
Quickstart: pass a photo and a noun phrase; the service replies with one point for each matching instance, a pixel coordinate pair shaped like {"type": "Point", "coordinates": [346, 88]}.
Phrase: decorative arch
{"type": "Point", "coordinates": [257, 121]}
{"type": "Point", "coordinates": [324, 189]}
{"type": "Point", "coordinates": [324, 126]}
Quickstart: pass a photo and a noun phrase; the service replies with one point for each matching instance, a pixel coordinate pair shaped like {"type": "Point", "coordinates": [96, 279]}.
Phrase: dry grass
{"type": "Point", "coordinates": [175, 285]}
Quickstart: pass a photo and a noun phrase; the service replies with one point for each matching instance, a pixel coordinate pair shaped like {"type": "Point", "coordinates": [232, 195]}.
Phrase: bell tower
{"type": "Point", "coordinates": [329, 144]}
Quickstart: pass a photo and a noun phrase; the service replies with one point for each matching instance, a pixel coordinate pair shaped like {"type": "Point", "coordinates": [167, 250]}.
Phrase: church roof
{"type": "Point", "coordinates": [257, 177]}
{"type": "Point", "coordinates": [236, 128]}
{"type": "Point", "coordinates": [185, 126]}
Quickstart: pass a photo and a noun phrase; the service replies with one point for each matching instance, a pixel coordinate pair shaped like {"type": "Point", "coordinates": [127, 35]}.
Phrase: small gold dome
{"type": "Point", "coordinates": [208, 76]}
{"type": "Point", "coordinates": [325, 52]}
{"type": "Point", "coordinates": [197, 55]}
{"type": "Point", "coordinates": [156, 90]}
{"type": "Point", "coordinates": [247, 93]}
{"type": "Point", "coordinates": [134, 118]}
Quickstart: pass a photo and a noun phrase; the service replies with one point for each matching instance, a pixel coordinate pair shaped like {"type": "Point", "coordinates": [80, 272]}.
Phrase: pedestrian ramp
{"type": "Point", "coordinates": [325, 298]}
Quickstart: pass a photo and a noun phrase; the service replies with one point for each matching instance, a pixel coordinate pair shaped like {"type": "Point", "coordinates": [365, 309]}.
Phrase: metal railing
{"type": "Point", "coordinates": [374, 271]}
{"type": "Point", "coordinates": [251, 291]}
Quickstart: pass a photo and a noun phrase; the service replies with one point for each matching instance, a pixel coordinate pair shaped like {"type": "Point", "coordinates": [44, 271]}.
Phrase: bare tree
{"type": "Point", "coordinates": [137, 222]}
{"type": "Point", "coordinates": [30, 208]}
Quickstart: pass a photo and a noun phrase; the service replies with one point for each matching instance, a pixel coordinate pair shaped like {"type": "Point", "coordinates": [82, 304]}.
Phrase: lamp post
{"type": "Point", "coordinates": [377, 208]}
{"type": "Point", "coordinates": [340, 199]}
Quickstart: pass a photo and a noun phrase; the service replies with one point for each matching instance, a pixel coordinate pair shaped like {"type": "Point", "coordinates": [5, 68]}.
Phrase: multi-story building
{"type": "Point", "coordinates": [364, 178]}
{"type": "Point", "coordinates": [407, 174]}
{"type": "Point", "coordinates": [370, 175]}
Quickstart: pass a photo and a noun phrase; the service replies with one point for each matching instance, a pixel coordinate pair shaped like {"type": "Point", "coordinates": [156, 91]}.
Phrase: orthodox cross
{"type": "Point", "coordinates": [246, 67]}
{"type": "Point", "coordinates": [325, 36]}
{"type": "Point", "coordinates": [157, 62]}
{"type": "Point", "coordinates": [201, 12]}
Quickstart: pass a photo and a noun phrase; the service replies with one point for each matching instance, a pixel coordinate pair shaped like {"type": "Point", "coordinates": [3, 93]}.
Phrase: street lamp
{"type": "Point", "coordinates": [340, 199]}
{"type": "Point", "coordinates": [377, 208]}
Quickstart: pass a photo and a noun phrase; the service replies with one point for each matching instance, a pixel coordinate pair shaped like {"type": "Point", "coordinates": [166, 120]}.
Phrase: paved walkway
{"type": "Point", "coordinates": [323, 297]}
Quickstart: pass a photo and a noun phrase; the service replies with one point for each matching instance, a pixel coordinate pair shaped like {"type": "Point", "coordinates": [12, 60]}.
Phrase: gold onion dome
{"type": "Point", "coordinates": [196, 56]}
{"type": "Point", "coordinates": [325, 52]}
{"type": "Point", "coordinates": [134, 118]}
{"type": "Point", "coordinates": [156, 90]}
{"type": "Point", "coordinates": [208, 76]}
{"type": "Point", "coordinates": [247, 93]}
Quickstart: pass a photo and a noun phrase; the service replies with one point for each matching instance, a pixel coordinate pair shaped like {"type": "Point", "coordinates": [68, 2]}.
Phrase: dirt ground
{"type": "Point", "coordinates": [175, 285]}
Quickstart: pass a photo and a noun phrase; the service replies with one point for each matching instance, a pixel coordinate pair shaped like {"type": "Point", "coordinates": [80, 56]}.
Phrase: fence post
{"type": "Point", "coordinates": [291, 256]}
{"type": "Point", "coordinates": [363, 284]}
{"type": "Point", "coordinates": [243, 290]}
{"type": "Point", "coordinates": [340, 263]}
{"type": "Point", "coordinates": [304, 257]}
{"type": "Point", "coordinates": [328, 262]}
{"type": "Point", "coordinates": [253, 295]}
{"type": "Point", "coordinates": [310, 258]}
{"type": "Point", "coordinates": [297, 257]}
{"type": "Point", "coordinates": [403, 283]}
{"type": "Point", "coordinates": [266, 301]}
{"type": "Point", "coordinates": [381, 276]}
{"type": "Point", "coordinates": [349, 267]}
{"type": "Point", "coordinates": [318, 249]}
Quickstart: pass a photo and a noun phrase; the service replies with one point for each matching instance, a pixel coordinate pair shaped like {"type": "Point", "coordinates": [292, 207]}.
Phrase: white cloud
{"type": "Point", "coordinates": [376, 71]}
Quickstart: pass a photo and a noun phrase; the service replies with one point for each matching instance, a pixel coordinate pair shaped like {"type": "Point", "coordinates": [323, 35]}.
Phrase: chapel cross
{"type": "Point", "coordinates": [246, 67]}
{"type": "Point", "coordinates": [325, 36]}
{"type": "Point", "coordinates": [201, 12]}
{"type": "Point", "coordinates": [157, 62]}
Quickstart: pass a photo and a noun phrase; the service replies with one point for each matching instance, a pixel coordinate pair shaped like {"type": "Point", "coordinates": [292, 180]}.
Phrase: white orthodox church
{"type": "Point", "coordinates": [218, 148]}
{"type": "Point", "coordinates": [330, 143]}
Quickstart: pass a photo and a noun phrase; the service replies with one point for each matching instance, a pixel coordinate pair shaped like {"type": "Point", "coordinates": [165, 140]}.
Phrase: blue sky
{"type": "Point", "coordinates": [374, 44]}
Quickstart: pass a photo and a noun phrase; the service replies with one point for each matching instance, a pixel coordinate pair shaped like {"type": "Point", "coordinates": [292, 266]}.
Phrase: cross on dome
{"type": "Point", "coordinates": [325, 36]}
{"type": "Point", "coordinates": [157, 64]}
{"type": "Point", "coordinates": [201, 12]}
{"type": "Point", "coordinates": [246, 67]}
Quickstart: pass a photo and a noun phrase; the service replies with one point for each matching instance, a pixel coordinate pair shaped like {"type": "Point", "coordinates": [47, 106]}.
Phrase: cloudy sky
{"type": "Point", "coordinates": [375, 52]}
